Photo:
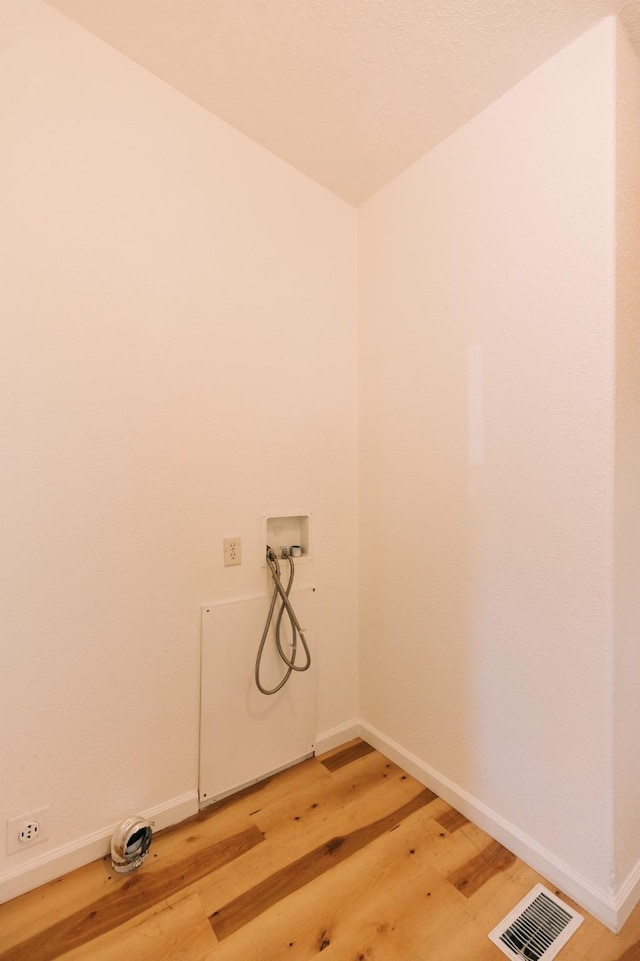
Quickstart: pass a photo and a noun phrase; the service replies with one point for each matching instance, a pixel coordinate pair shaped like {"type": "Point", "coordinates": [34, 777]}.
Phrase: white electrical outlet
{"type": "Point", "coordinates": [27, 830]}
{"type": "Point", "coordinates": [232, 550]}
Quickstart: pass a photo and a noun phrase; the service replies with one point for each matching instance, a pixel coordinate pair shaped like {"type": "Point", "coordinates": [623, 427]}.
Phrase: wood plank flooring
{"type": "Point", "coordinates": [344, 856]}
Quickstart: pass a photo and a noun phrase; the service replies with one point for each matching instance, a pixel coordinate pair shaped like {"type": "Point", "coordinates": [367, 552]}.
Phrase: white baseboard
{"type": "Point", "coordinates": [597, 902]}
{"type": "Point", "coordinates": [628, 896]}
{"type": "Point", "coordinates": [337, 736]}
{"type": "Point", "coordinates": [53, 864]}
{"type": "Point", "coordinates": [611, 911]}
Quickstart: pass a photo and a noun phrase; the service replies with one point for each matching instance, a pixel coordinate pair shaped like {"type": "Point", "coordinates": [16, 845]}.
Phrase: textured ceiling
{"type": "Point", "coordinates": [349, 91]}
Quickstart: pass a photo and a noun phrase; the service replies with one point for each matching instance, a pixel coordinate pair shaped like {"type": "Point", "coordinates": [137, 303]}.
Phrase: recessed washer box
{"type": "Point", "coordinates": [288, 529]}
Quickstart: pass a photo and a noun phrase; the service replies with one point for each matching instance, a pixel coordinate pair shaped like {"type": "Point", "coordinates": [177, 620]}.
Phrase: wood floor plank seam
{"type": "Point", "coordinates": [451, 820]}
{"type": "Point", "coordinates": [473, 875]}
{"type": "Point", "coordinates": [338, 789]}
{"type": "Point", "coordinates": [136, 894]}
{"type": "Point", "coordinates": [331, 870]}
{"type": "Point", "coordinates": [352, 753]}
{"type": "Point", "coordinates": [238, 912]}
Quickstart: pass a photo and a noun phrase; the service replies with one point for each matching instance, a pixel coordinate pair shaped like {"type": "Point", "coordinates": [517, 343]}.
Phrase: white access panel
{"type": "Point", "coordinates": [246, 735]}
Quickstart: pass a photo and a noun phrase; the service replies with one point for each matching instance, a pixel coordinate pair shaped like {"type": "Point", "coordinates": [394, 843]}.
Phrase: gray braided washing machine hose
{"type": "Point", "coordinates": [283, 593]}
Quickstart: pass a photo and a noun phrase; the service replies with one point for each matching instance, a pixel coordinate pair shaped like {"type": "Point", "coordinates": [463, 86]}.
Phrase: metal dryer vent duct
{"type": "Point", "coordinates": [130, 844]}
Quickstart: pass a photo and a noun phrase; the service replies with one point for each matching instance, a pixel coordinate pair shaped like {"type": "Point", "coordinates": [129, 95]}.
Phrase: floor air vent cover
{"type": "Point", "coordinates": [537, 928]}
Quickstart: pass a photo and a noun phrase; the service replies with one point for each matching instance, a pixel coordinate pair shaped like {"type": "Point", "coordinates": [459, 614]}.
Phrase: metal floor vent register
{"type": "Point", "coordinates": [537, 928]}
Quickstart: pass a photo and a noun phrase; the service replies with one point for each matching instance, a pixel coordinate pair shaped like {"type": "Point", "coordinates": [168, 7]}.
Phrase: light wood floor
{"type": "Point", "coordinates": [343, 856]}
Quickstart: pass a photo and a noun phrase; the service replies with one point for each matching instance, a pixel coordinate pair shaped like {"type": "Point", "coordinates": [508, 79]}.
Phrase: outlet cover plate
{"type": "Point", "coordinates": [27, 829]}
{"type": "Point", "coordinates": [232, 551]}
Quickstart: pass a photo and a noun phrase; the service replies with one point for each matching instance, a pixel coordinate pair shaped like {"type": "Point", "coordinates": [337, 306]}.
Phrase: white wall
{"type": "Point", "coordinates": [627, 701]}
{"type": "Point", "coordinates": [487, 292]}
{"type": "Point", "coordinates": [179, 356]}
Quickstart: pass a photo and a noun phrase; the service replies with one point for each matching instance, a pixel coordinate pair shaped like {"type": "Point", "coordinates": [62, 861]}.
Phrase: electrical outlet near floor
{"type": "Point", "coordinates": [27, 829]}
{"type": "Point", "coordinates": [232, 550]}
